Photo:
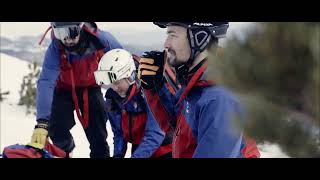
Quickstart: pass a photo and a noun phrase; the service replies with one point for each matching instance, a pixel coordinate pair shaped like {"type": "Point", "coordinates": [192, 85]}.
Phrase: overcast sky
{"type": "Point", "coordinates": [126, 32]}
{"type": "Point", "coordinates": [16, 29]}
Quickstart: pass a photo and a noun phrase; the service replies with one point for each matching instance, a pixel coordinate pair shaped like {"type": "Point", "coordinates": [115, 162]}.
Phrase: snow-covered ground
{"type": "Point", "coordinates": [16, 126]}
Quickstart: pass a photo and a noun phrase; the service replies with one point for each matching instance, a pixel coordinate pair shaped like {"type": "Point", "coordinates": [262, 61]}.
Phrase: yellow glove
{"type": "Point", "coordinates": [39, 136]}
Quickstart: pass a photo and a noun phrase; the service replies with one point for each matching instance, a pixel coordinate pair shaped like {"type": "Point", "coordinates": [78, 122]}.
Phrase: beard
{"type": "Point", "coordinates": [173, 61]}
{"type": "Point", "coordinates": [70, 44]}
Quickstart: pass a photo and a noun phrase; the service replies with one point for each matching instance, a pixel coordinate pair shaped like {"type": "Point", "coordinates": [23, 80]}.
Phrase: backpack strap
{"type": "Point", "coordinates": [44, 35]}
{"type": "Point", "coordinates": [84, 120]}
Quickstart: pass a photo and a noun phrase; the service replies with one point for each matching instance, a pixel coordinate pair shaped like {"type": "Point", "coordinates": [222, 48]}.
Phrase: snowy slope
{"type": "Point", "coordinates": [16, 126]}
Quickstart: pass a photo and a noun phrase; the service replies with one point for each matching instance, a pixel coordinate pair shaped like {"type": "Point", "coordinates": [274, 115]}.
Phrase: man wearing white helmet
{"type": "Point", "coordinates": [203, 113]}
{"type": "Point", "coordinates": [130, 118]}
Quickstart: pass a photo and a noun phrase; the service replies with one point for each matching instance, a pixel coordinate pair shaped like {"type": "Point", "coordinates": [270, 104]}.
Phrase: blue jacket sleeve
{"type": "Point", "coordinates": [219, 133]}
{"type": "Point", "coordinates": [162, 106]}
{"type": "Point", "coordinates": [47, 81]}
{"type": "Point", "coordinates": [120, 145]}
{"type": "Point", "coordinates": [109, 41]}
{"type": "Point", "coordinates": [152, 139]}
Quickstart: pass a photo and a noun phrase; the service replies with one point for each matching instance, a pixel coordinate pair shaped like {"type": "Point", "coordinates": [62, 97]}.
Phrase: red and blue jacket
{"type": "Point", "coordinates": [132, 121]}
{"type": "Point", "coordinates": [205, 117]}
{"type": "Point", "coordinates": [58, 64]}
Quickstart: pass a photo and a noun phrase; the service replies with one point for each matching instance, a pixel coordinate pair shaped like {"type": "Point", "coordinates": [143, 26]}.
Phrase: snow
{"type": "Point", "coordinates": [268, 150]}
{"type": "Point", "coordinates": [16, 126]}
{"type": "Point", "coordinates": [12, 71]}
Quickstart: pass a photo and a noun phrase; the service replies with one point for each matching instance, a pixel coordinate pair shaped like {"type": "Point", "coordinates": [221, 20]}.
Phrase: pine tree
{"type": "Point", "coordinates": [28, 88]}
{"type": "Point", "coordinates": [276, 72]}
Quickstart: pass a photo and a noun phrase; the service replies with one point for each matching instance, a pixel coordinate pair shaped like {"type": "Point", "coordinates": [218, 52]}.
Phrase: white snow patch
{"type": "Point", "coordinates": [12, 72]}
{"type": "Point", "coordinates": [268, 150]}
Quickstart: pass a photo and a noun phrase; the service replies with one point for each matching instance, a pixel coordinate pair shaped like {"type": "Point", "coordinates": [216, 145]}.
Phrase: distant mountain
{"type": "Point", "coordinates": [136, 40]}
{"type": "Point", "coordinates": [27, 48]}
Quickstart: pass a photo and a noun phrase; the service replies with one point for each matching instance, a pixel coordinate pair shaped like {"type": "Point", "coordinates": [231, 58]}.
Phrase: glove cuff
{"type": "Point", "coordinates": [42, 123]}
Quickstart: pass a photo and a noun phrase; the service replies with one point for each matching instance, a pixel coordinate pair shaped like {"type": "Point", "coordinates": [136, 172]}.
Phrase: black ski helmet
{"type": "Point", "coordinates": [200, 33]}
{"type": "Point", "coordinates": [199, 36]}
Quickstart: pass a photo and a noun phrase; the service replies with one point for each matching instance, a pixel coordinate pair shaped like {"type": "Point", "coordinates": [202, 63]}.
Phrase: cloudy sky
{"type": "Point", "coordinates": [127, 32]}
{"type": "Point", "coordinates": [16, 29]}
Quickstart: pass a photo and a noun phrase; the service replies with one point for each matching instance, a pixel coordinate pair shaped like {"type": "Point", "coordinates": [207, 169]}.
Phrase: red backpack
{"type": "Point", "coordinates": [26, 151]}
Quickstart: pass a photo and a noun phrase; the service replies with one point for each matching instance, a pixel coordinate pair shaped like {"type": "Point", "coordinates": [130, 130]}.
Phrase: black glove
{"type": "Point", "coordinates": [151, 68]}
{"type": "Point", "coordinates": [118, 156]}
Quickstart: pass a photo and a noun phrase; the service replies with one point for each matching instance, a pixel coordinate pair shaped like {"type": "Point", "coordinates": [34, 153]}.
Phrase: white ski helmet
{"type": "Point", "coordinates": [115, 65]}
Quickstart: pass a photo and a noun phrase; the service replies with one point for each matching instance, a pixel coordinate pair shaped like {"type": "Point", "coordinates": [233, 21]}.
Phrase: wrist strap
{"type": "Point", "coordinates": [43, 126]}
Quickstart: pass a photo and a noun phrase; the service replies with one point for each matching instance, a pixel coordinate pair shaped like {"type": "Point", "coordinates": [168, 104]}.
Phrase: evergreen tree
{"type": "Point", "coordinates": [276, 72]}
{"type": "Point", "coordinates": [28, 88]}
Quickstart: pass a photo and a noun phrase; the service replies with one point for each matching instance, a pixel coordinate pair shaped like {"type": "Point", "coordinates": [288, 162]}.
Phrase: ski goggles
{"type": "Point", "coordinates": [106, 78]}
{"type": "Point", "coordinates": [67, 32]}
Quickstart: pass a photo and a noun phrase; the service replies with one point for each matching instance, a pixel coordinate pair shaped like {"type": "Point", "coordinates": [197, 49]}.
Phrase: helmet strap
{"type": "Point", "coordinates": [198, 41]}
{"type": "Point", "coordinates": [132, 79]}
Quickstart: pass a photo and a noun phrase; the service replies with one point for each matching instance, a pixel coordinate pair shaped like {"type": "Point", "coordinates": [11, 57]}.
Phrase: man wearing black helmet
{"type": "Point", "coordinates": [67, 83]}
{"type": "Point", "coordinates": [203, 113]}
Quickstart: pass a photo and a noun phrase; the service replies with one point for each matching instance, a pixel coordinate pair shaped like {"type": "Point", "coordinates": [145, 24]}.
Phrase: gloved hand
{"type": "Point", "coordinates": [40, 135]}
{"type": "Point", "coordinates": [151, 67]}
